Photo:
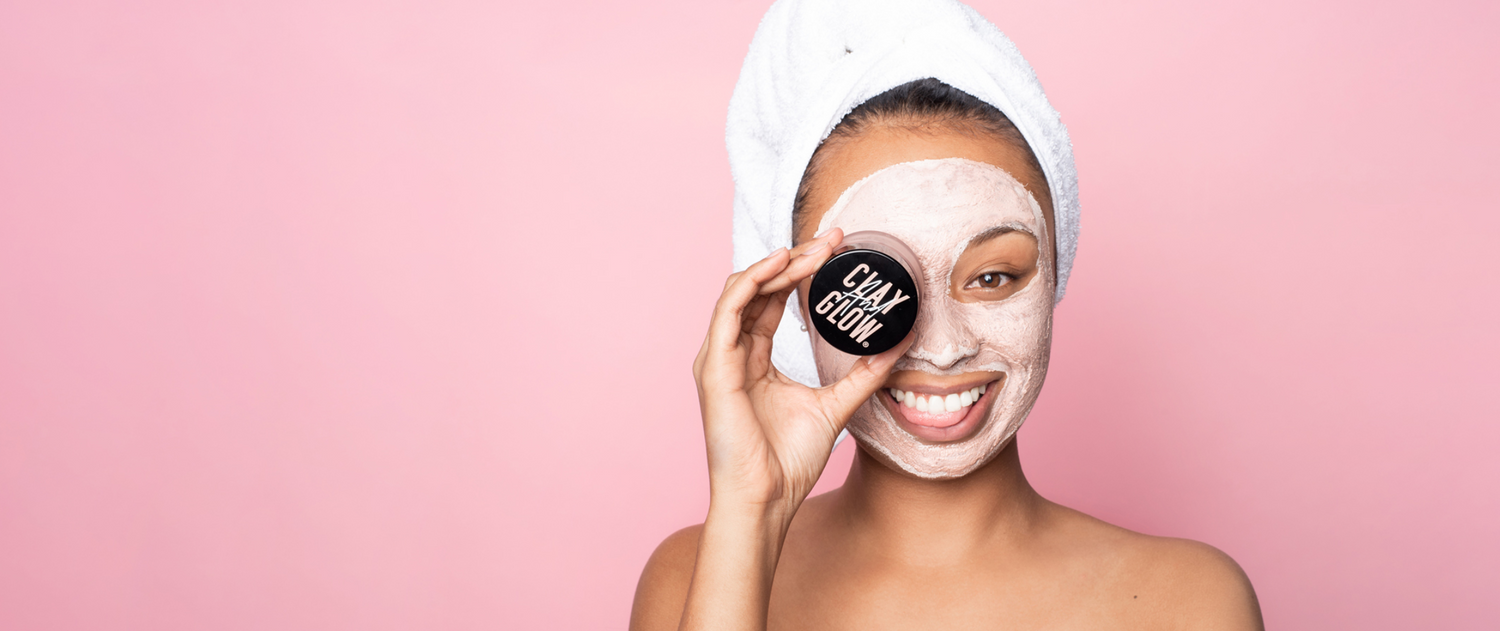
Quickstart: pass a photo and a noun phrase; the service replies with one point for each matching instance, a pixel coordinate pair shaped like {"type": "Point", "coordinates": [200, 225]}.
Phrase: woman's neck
{"type": "Point", "coordinates": [937, 522]}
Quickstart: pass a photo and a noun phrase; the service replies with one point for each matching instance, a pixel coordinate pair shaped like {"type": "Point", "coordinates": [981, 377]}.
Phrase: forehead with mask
{"type": "Point", "coordinates": [984, 243]}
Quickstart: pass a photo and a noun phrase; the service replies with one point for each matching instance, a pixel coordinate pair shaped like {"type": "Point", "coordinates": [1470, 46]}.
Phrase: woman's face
{"type": "Point", "coordinates": [984, 330]}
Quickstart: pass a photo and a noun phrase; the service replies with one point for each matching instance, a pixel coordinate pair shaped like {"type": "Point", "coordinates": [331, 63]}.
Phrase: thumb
{"type": "Point", "coordinates": [847, 394]}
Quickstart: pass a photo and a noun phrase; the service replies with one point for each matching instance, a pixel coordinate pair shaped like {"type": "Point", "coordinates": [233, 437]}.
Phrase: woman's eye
{"type": "Point", "coordinates": [992, 280]}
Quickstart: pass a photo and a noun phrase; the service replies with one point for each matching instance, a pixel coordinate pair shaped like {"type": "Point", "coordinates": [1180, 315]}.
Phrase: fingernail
{"type": "Point", "coordinates": [822, 234]}
{"type": "Point", "coordinates": [816, 248]}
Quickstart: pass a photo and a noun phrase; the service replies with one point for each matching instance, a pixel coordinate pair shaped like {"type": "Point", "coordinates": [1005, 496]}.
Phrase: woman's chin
{"type": "Point", "coordinates": [943, 427]}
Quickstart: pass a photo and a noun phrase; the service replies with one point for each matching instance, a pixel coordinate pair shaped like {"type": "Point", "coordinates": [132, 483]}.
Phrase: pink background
{"type": "Point", "coordinates": [380, 315]}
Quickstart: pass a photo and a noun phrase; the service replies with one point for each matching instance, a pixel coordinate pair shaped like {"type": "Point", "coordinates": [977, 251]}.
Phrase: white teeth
{"type": "Point", "coordinates": [938, 403]}
{"type": "Point", "coordinates": [951, 402]}
{"type": "Point", "coordinates": [982, 386]}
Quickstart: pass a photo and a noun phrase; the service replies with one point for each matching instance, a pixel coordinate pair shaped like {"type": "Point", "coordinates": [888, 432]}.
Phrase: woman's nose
{"type": "Point", "coordinates": [943, 338]}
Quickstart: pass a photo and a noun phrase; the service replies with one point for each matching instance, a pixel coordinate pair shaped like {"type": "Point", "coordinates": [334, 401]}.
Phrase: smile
{"type": "Point", "coordinates": [938, 403]}
{"type": "Point", "coordinates": [940, 416]}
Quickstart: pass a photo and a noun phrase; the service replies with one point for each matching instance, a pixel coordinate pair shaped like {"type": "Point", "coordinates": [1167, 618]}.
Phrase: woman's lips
{"type": "Point", "coordinates": [937, 422]}
{"type": "Point", "coordinates": [936, 410]}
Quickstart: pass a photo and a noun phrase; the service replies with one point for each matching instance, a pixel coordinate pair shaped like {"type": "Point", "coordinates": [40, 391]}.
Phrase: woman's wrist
{"type": "Point", "coordinates": [771, 504]}
{"type": "Point", "coordinates": [742, 514]}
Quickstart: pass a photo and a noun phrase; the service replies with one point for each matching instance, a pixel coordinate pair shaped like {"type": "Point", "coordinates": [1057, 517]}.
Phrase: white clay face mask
{"type": "Point", "coordinates": [991, 355]}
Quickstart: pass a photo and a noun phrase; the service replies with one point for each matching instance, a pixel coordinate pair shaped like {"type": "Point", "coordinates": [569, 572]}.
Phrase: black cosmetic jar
{"type": "Point", "coordinates": [864, 300]}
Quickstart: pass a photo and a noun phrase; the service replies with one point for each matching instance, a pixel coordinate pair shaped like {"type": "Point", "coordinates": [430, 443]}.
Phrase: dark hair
{"type": "Point", "coordinates": [920, 105]}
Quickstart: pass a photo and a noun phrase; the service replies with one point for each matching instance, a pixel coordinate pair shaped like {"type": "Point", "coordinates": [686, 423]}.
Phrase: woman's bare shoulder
{"type": "Point", "coordinates": [662, 590]}
{"type": "Point", "coordinates": [1198, 585]}
{"type": "Point", "coordinates": [1175, 582]}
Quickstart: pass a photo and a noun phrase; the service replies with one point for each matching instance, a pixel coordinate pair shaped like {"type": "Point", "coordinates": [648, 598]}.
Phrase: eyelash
{"type": "Point", "coordinates": [1006, 279]}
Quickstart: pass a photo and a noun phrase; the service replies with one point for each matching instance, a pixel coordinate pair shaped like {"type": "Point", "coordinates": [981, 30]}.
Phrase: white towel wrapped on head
{"type": "Point", "coordinates": [812, 61]}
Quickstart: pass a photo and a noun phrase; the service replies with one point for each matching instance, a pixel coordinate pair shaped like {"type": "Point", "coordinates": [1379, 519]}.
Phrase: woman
{"type": "Point", "coordinates": [936, 526]}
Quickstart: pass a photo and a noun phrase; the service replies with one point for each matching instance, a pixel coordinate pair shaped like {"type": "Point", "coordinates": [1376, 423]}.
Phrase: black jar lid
{"type": "Point", "coordinates": [864, 300]}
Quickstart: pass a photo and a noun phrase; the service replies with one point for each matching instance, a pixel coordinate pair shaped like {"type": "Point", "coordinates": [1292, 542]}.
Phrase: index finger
{"type": "Point", "coordinates": [725, 326]}
{"type": "Point", "coordinates": [806, 259]}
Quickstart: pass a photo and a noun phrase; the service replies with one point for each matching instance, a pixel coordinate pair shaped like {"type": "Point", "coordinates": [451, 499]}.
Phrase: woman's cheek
{"type": "Point", "coordinates": [1021, 328]}
{"type": "Point", "coordinates": [832, 364]}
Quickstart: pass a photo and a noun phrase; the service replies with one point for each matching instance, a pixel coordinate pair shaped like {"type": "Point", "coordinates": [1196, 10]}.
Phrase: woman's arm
{"type": "Point", "coordinates": [768, 439]}
{"type": "Point", "coordinates": [737, 554]}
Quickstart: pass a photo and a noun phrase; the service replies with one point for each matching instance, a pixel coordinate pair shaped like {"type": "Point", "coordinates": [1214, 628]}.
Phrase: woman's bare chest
{"type": "Point", "coordinates": [843, 595]}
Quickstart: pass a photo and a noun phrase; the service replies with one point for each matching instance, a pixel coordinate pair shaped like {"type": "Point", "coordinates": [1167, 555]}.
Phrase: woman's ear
{"type": "Point", "coordinates": [799, 298]}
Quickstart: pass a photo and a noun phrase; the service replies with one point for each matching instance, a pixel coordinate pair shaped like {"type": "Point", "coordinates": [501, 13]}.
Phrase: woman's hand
{"type": "Point", "coordinates": [768, 436]}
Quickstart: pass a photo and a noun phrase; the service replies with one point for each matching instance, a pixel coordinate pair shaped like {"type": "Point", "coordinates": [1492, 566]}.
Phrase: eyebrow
{"type": "Point", "coordinates": [996, 232]}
